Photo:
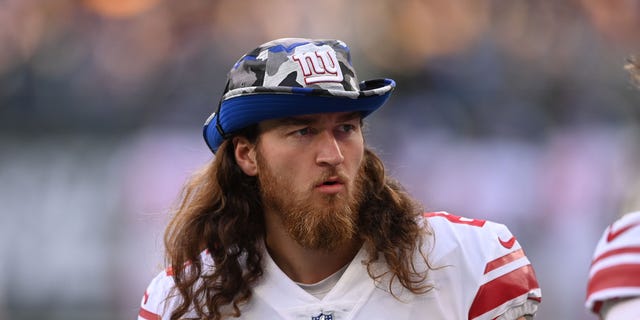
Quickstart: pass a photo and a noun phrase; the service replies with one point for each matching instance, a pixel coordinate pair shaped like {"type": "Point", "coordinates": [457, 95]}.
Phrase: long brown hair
{"type": "Point", "coordinates": [220, 211]}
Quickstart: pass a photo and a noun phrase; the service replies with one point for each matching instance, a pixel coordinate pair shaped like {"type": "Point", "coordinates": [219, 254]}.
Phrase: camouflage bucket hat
{"type": "Point", "coordinates": [290, 77]}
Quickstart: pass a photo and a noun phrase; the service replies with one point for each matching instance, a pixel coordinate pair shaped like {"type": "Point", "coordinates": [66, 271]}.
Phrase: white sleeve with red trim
{"type": "Point", "coordinates": [615, 268]}
{"type": "Point", "coordinates": [497, 274]}
{"type": "Point", "coordinates": [154, 301]}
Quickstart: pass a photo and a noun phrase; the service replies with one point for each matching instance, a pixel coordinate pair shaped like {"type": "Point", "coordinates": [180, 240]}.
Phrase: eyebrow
{"type": "Point", "coordinates": [306, 119]}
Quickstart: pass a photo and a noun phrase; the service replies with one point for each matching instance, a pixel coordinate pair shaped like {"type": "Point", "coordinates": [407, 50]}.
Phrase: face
{"type": "Point", "coordinates": [309, 170]}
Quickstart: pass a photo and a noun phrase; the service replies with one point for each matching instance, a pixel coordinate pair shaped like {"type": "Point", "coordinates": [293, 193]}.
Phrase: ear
{"type": "Point", "coordinates": [245, 154]}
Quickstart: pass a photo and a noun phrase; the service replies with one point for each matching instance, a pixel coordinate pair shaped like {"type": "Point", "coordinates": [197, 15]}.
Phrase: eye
{"type": "Point", "coordinates": [347, 128]}
{"type": "Point", "coordinates": [302, 132]}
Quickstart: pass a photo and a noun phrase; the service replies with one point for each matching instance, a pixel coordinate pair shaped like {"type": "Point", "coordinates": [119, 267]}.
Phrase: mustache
{"type": "Point", "coordinates": [331, 175]}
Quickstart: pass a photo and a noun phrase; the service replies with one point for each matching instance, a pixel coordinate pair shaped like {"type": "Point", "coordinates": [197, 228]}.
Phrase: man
{"type": "Point", "coordinates": [613, 290]}
{"type": "Point", "coordinates": [296, 219]}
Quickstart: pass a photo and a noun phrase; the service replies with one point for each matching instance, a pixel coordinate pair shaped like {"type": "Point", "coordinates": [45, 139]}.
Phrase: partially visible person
{"type": "Point", "coordinates": [633, 66]}
{"type": "Point", "coordinates": [613, 290]}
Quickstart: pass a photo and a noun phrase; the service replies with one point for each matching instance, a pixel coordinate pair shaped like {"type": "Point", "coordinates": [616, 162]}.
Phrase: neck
{"type": "Point", "coordinates": [302, 264]}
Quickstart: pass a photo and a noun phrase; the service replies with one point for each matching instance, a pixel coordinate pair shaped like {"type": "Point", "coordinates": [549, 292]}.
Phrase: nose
{"type": "Point", "coordinates": [329, 152]}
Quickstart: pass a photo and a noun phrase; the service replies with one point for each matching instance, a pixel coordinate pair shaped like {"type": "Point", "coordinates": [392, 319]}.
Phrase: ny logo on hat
{"type": "Point", "coordinates": [323, 316]}
{"type": "Point", "coordinates": [319, 66]}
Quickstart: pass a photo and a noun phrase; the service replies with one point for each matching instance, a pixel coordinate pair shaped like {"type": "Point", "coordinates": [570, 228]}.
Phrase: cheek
{"type": "Point", "coordinates": [356, 158]}
{"type": "Point", "coordinates": [285, 168]}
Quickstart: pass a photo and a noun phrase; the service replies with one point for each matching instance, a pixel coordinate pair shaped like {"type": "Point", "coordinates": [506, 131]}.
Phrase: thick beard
{"type": "Point", "coordinates": [314, 221]}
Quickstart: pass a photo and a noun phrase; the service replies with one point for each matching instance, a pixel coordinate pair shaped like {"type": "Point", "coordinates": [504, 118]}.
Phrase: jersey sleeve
{"type": "Point", "coordinates": [154, 300]}
{"type": "Point", "coordinates": [504, 282]}
{"type": "Point", "coordinates": [160, 298]}
{"type": "Point", "coordinates": [615, 268]}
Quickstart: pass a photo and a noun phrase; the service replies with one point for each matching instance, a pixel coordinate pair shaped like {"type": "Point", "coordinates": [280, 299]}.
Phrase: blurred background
{"type": "Point", "coordinates": [515, 111]}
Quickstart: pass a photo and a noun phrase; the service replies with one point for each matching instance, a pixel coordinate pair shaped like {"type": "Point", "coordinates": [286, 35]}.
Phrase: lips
{"type": "Point", "coordinates": [331, 185]}
{"type": "Point", "coordinates": [330, 182]}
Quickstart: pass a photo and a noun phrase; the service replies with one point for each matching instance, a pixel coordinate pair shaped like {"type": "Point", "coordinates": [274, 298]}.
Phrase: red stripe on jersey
{"type": "Point", "coordinates": [148, 315]}
{"type": "Point", "coordinates": [502, 289]}
{"type": "Point", "coordinates": [456, 219]}
{"type": "Point", "coordinates": [617, 276]}
{"type": "Point", "coordinates": [497, 263]}
{"type": "Point", "coordinates": [615, 252]}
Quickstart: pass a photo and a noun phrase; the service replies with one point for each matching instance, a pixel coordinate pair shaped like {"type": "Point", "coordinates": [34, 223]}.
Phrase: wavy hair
{"type": "Point", "coordinates": [220, 211]}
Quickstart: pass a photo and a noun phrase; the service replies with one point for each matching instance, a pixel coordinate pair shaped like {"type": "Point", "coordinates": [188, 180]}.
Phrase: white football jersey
{"type": "Point", "coordinates": [615, 269]}
{"type": "Point", "coordinates": [480, 272]}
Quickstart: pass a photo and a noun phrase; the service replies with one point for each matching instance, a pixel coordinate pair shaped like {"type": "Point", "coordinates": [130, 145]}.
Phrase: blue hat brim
{"type": "Point", "coordinates": [242, 111]}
